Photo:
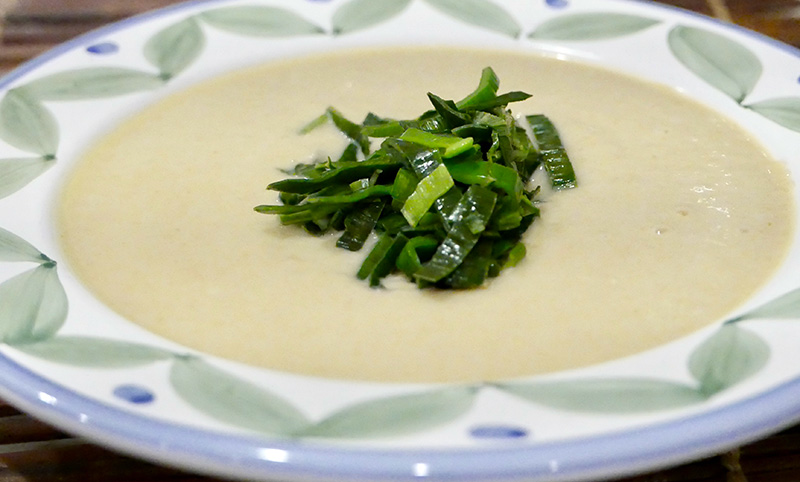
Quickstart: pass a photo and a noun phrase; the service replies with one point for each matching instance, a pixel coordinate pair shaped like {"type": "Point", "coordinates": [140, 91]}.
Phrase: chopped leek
{"type": "Point", "coordinates": [428, 190]}
{"type": "Point", "coordinates": [552, 152]}
{"type": "Point", "coordinates": [445, 194]}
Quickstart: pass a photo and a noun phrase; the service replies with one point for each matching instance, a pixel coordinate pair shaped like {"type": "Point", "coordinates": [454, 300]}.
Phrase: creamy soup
{"type": "Point", "coordinates": [679, 217]}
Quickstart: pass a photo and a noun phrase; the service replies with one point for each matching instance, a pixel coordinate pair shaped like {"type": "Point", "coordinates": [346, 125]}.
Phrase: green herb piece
{"type": "Point", "coordinates": [487, 174]}
{"type": "Point", "coordinates": [501, 100]}
{"type": "Point", "coordinates": [428, 190]}
{"type": "Point", "coordinates": [315, 123]}
{"type": "Point", "coordinates": [409, 261]}
{"type": "Point", "coordinates": [477, 266]}
{"type": "Point", "coordinates": [352, 197]}
{"type": "Point", "coordinates": [451, 116]}
{"type": "Point", "coordinates": [382, 259]}
{"type": "Point", "coordinates": [350, 129]}
{"type": "Point", "coordinates": [486, 90]}
{"type": "Point", "coordinates": [350, 154]}
{"type": "Point", "coordinates": [405, 182]}
{"type": "Point", "coordinates": [554, 155]}
{"type": "Point", "coordinates": [515, 255]}
{"type": "Point", "coordinates": [471, 216]}
{"type": "Point", "coordinates": [419, 159]}
{"type": "Point", "coordinates": [451, 144]}
{"type": "Point", "coordinates": [358, 225]}
{"type": "Point", "coordinates": [444, 194]}
{"type": "Point", "coordinates": [345, 172]}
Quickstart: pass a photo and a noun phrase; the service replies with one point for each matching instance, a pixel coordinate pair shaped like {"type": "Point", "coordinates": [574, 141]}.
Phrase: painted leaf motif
{"type": "Point", "coordinates": [591, 26]}
{"type": "Point", "coordinates": [33, 306]}
{"type": "Point", "coordinates": [95, 352]}
{"type": "Point", "coordinates": [91, 83]}
{"type": "Point", "coordinates": [727, 358]}
{"type": "Point", "coordinates": [360, 14]}
{"type": "Point", "coordinates": [17, 173]}
{"type": "Point", "coordinates": [718, 60]}
{"type": "Point", "coordinates": [783, 307]}
{"type": "Point", "coordinates": [175, 48]}
{"type": "Point", "coordinates": [481, 13]}
{"type": "Point", "coordinates": [260, 21]}
{"type": "Point", "coordinates": [27, 124]}
{"type": "Point", "coordinates": [232, 400]}
{"type": "Point", "coordinates": [784, 111]}
{"type": "Point", "coordinates": [398, 415]}
{"type": "Point", "coordinates": [14, 248]}
{"type": "Point", "coordinates": [611, 395]}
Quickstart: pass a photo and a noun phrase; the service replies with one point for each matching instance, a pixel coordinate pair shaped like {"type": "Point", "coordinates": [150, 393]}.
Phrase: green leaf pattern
{"type": "Point", "coordinates": [95, 352]}
{"type": "Point", "coordinates": [784, 111]}
{"type": "Point", "coordinates": [26, 124]}
{"type": "Point", "coordinates": [723, 63]}
{"type": "Point", "coordinates": [611, 395]}
{"type": "Point", "coordinates": [174, 48]}
{"type": "Point", "coordinates": [233, 400]}
{"type": "Point", "coordinates": [16, 173]}
{"type": "Point", "coordinates": [727, 358]}
{"type": "Point", "coordinates": [481, 13]}
{"type": "Point", "coordinates": [361, 14]}
{"type": "Point", "coordinates": [34, 304]}
{"type": "Point", "coordinates": [785, 307]}
{"type": "Point", "coordinates": [259, 21]}
{"type": "Point", "coordinates": [14, 248]}
{"type": "Point", "coordinates": [91, 83]}
{"type": "Point", "coordinates": [396, 416]}
{"type": "Point", "coordinates": [591, 26]}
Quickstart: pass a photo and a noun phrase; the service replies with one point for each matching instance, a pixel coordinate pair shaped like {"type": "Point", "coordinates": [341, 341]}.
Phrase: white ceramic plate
{"type": "Point", "coordinates": [66, 358]}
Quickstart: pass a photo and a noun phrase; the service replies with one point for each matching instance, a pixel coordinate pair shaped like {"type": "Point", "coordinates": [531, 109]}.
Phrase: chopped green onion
{"type": "Point", "coordinates": [353, 197]}
{"type": "Point", "coordinates": [486, 90]}
{"type": "Point", "coordinates": [358, 225]}
{"type": "Point", "coordinates": [381, 260]}
{"type": "Point", "coordinates": [445, 193]}
{"type": "Point", "coordinates": [428, 190]}
{"type": "Point", "coordinates": [315, 124]}
{"type": "Point", "coordinates": [447, 109]}
{"type": "Point", "coordinates": [452, 145]}
{"type": "Point", "coordinates": [350, 129]}
{"type": "Point", "coordinates": [554, 155]}
{"type": "Point", "coordinates": [487, 173]}
{"type": "Point", "coordinates": [473, 213]}
{"type": "Point", "coordinates": [409, 261]}
{"type": "Point", "coordinates": [346, 172]}
{"type": "Point", "coordinates": [500, 100]}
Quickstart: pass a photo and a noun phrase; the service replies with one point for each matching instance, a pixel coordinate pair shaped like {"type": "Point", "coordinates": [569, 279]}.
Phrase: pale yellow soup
{"type": "Point", "coordinates": [680, 216]}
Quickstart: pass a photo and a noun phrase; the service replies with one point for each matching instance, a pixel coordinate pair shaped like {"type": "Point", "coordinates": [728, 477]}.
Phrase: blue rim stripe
{"type": "Point", "coordinates": [248, 456]}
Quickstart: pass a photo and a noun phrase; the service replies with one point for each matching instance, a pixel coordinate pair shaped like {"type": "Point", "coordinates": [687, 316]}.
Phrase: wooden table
{"type": "Point", "coordinates": [31, 451]}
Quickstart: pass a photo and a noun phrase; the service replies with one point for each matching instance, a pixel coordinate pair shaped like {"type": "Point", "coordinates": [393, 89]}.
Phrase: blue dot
{"type": "Point", "coordinates": [498, 432]}
{"type": "Point", "coordinates": [557, 3]}
{"type": "Point", "coordinates": [104, 48]}
{"type": "Point", "coordinates": [134, 394]}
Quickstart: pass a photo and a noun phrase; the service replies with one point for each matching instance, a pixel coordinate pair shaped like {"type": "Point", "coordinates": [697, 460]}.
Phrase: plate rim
{"type": "Point", "coordinates": [215, 453]}
{"type": "Point", "coordinates": [198, 449]}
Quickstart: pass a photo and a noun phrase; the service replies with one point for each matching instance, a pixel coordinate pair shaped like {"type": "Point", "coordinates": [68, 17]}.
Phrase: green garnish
{"type": "Point", "coordinates": [446, 193]}
{"type": "Point", "coordinates": [554, 156]}
{"type": "Point", "coordinates": [428, 190]}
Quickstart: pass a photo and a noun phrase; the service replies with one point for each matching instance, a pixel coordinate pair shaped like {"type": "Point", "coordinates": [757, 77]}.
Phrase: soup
{"type": "Point", "coordinates": [679, 217]}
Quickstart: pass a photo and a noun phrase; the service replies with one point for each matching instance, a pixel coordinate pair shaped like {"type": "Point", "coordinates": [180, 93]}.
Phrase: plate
{"type": "Point", "coordinates": [70, 361]}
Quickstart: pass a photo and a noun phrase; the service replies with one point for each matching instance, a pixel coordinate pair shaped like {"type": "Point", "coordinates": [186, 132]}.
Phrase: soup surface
{"type": "Point", "coordinates": [679, 216]}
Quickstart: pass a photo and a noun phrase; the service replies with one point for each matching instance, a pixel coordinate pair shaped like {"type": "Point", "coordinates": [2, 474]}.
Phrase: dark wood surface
{"type": "Point", "coordinates": [31, 451]}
